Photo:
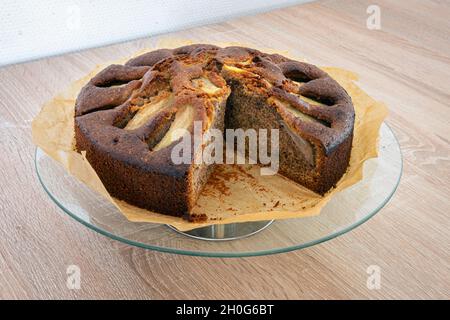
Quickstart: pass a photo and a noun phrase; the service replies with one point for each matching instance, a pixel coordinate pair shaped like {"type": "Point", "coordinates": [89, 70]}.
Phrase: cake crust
{"type": "Point", "coordinates": [125, 113]}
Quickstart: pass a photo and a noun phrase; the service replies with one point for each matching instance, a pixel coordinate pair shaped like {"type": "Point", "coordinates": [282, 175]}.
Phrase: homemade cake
{"type": "Point", "coordinates": [126, 115]}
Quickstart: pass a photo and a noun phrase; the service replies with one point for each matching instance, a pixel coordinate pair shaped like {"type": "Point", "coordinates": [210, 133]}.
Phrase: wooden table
{"type": "Point", "coordinates": [405, 64]}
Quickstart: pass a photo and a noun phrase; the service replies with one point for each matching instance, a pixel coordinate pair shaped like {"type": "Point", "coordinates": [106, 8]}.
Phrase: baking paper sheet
{"type": "Point", "coordinates": [233, 193]}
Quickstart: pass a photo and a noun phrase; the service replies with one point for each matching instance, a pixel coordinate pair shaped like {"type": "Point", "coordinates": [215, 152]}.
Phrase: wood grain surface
{"type": "Point", "coordinates": [406, 64]}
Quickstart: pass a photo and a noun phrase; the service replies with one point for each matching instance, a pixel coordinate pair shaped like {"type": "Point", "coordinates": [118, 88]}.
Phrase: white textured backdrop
{"type": "Point", "coordinates": [34, 29]}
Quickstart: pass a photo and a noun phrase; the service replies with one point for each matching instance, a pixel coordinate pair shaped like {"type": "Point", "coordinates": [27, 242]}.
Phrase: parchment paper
{"type": "Point", "coordinates": [233, 193]}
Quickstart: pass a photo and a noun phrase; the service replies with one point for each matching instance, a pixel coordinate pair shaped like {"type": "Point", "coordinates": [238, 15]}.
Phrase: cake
{"type": "Point", "coordinates": [126, 117]}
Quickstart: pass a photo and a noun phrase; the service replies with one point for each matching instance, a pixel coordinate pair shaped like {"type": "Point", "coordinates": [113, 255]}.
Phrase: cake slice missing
{"type": "Point", "coordinates": [129, 130]}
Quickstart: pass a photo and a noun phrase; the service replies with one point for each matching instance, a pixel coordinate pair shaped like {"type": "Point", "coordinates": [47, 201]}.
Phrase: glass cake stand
{"type": "Point", "coordinates": [347, 210]}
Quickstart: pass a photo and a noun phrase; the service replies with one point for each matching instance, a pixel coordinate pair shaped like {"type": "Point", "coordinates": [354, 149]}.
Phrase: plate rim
{"type": "Point", "coordinates": [219, 254]}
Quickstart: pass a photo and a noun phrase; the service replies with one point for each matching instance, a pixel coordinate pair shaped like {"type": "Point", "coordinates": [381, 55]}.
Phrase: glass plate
{"type": "Point", "coordinates": [347, 210]}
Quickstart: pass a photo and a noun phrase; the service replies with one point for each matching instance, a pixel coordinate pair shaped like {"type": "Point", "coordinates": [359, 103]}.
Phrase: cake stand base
{"type": "Point", "coordinates": [224, 232]}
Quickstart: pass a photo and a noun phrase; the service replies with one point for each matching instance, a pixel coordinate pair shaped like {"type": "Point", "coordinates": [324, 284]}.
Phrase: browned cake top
{"type": "Point", "coordinates": [133, 107]}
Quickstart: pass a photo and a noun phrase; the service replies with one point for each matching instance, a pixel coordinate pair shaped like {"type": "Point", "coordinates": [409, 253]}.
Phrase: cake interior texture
{"type": "Point", "coordinates": [126, 117]}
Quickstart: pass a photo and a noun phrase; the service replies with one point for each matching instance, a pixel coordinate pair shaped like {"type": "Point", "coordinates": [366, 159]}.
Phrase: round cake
{"type": "Point", "coordinates": [127, 116]}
